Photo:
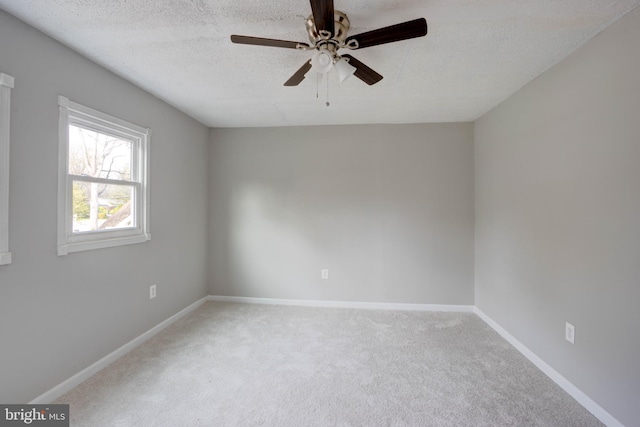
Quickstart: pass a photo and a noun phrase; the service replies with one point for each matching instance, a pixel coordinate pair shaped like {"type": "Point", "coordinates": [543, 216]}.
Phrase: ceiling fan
{"type": "Point", "coordinates": [328, 30]}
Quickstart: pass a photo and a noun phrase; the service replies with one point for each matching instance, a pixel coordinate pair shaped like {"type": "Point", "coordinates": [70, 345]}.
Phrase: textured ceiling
{"type": "Point", "coordinates": [477, 53]}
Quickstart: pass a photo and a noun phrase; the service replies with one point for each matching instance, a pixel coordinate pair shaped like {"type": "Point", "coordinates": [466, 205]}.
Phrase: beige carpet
{"type": "Point", "coordinates": [259, 365]}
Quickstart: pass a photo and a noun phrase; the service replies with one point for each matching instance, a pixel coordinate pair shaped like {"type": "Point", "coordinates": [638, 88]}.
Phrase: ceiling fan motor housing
{"type": "Point", "coordinates": [341, 22]}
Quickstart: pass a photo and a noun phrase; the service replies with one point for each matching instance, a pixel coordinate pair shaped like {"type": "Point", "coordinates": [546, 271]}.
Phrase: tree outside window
{"type": "Point", "coordinates": [98, 155]}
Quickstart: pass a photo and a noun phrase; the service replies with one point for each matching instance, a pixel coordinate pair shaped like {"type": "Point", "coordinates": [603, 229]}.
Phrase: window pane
{"type": "Point", "coordinates": [99, 155]}
{"type": "Point", "coordinates": [99, 207]}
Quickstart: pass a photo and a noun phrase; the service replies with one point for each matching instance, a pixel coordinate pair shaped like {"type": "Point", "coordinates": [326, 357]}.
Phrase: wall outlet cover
{"type": "Point", "coordinates": [570, 332]}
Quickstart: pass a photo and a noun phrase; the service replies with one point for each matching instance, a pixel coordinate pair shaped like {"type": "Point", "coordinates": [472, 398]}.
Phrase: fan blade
{"type": "Point", "coordinates": [393, 33]}
{"type": "Point", "coordinates": [323, 16]}
{"type": "Point", "coordinates": [363, 72]}
{"type": "Point", "coordinates": [259, 41]}
{"type": "Point", "coordinates": [298, 76]}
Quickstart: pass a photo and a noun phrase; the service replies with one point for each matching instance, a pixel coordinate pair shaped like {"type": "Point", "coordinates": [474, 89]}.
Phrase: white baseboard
{"type": "Point", "coordinates": [67, 385]}
{"type": "Point", "coordinates": [346, 304]}
{"type": "Point", "coordinates": [564, 383]}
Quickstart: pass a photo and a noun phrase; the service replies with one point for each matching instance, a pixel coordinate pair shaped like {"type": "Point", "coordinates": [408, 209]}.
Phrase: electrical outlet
{"type": "Point", "coordinates": [152, 291]}
{"type": "Point", "coordinates": [570, 332]}
{"type": "Point", "coordinates": [324, 274]}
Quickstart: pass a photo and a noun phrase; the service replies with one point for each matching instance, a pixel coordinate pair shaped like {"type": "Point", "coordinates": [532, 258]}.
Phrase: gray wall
{"type": "Point", "coordinates": [388, 209]}
{"type": "Point", "coordinates": [558, 217]}
{"type": "Point", "coordinates": [60, 314]}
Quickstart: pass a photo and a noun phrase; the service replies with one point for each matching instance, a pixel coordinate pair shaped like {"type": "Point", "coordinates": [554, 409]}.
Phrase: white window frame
{"type": "Point", "coordinates": [6, 84]}
{"type": "Point", "coordinates": [74, 113]}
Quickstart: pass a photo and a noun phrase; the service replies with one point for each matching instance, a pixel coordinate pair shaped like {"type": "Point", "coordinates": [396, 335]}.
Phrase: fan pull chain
{"type": "Point", "coordinates": [317, 85]}
{"type": "Point", "coordinates": [327, 104]}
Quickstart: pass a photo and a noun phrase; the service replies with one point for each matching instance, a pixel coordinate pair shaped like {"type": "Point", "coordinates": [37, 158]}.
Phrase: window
{"type": "Point", "coordinates": [6, 84]}
{"type": "Point", "coordinates": [103, 192]}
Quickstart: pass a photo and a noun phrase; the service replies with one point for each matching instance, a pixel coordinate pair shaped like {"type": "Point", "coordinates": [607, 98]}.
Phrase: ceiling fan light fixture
{"type": "Point", "coordinates": [344, 69]}
{"type": "Point", "coordinates": [322, 61]}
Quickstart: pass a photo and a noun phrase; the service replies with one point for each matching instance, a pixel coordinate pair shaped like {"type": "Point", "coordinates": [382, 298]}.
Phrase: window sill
{"type": "Point", "coordinates": [99, 244]}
